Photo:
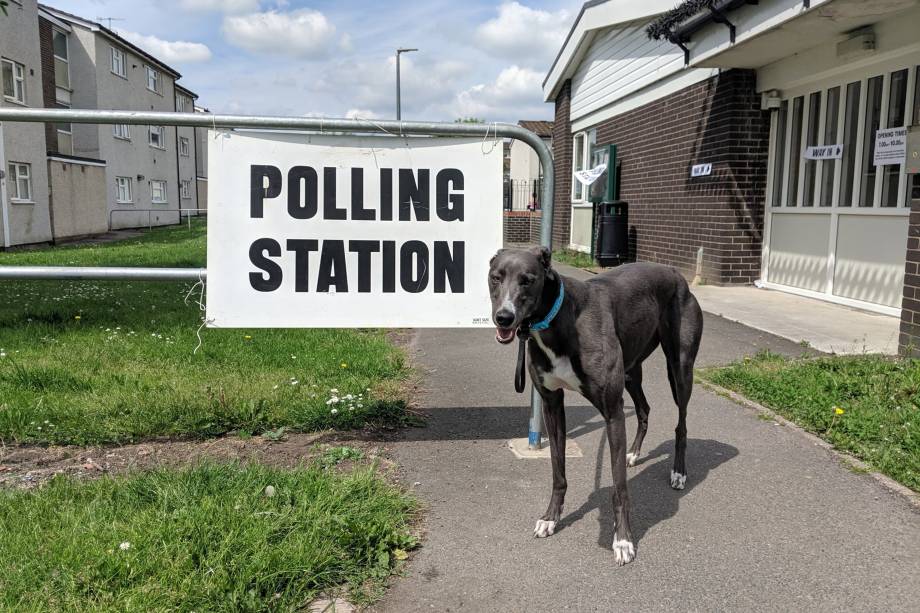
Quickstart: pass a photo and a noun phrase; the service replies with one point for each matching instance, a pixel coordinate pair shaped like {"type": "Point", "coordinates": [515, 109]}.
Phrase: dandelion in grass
{"type": "Point", "coordinates": [838, 411]}
{"type": "Point", "coordinates": [77, 317]}
{"type": "Point", "coordinates": [247, 337]}
{"type": "Point", "coordinates": [344, 364]}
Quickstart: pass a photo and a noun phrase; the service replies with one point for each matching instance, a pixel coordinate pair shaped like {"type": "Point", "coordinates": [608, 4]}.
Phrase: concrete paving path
{"type": "Point", "coordinates": [828, 327]}
{"type": "Point", "coordinates": [768, 521]}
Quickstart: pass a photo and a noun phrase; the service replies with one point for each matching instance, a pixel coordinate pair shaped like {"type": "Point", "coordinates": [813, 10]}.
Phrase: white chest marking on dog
{"type": "Point", "coordinates": [623, 551]}
{"type": "Point", "coordinates": [561, 374]}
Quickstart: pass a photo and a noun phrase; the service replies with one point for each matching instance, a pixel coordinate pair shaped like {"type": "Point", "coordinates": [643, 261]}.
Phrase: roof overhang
{"type": "Point", "coordinates": [594, 15]}
{"type": "Point", "coordinates": [768, 31]}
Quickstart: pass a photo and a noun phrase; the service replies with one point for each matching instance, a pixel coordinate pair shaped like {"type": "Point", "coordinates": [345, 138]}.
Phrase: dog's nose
{"type": "Point", "coordinates": [504, 318]}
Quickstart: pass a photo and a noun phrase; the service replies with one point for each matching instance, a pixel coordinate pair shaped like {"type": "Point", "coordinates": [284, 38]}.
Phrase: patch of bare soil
{"type": "Point", "coordinates": [28, 466]}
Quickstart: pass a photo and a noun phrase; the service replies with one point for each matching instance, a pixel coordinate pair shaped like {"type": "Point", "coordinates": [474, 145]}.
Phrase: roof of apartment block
{"type": "Point", "coordinates": [543, 129]}
{"type": "Point", "coordinates": [88, 23]}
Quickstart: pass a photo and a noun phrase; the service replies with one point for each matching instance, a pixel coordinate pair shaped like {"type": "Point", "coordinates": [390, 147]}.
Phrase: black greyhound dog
{"type": "Point", "coordinates": [592, 337]}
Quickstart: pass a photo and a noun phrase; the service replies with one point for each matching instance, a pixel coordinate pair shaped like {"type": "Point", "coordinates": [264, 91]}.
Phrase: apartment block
{"type": "Point", "coordinates": [24, 204]}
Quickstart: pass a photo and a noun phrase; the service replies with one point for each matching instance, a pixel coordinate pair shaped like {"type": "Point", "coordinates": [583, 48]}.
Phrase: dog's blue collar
{"type": "Point", "coordinates": [544, 323]}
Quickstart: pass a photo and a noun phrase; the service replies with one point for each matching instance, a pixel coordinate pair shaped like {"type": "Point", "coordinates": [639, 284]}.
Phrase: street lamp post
{"type": "Point", "coordinates": [398, 101]}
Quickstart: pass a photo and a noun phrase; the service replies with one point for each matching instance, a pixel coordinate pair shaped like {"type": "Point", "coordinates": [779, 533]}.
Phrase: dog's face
{"type": "Point", "coordinates": [516, 279]}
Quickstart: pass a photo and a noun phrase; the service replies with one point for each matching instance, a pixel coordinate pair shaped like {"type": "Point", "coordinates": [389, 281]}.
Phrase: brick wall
{"type": "Point", "coordinates": [909, 341]}
{"type": "Point", "coordinates": [562, 160]}
{"type": "Point", "coordinates": [671, 215]}
{"type": "Point", "coordinates": [48, 94]}
{"type": "Point", "coordinates": [522, 227]}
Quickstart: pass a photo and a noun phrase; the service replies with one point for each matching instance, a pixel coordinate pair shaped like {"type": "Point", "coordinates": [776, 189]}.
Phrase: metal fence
{"type": "Point", "coordinates": [523, 194]}
{"type": "Point", "coordinates": [493, 131]}
{"type": "Point", "coordinates": [150, 213]}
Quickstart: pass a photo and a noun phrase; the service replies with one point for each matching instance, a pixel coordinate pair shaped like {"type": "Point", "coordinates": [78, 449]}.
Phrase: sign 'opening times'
{"type": "Point", "coordinates": [332, 231]}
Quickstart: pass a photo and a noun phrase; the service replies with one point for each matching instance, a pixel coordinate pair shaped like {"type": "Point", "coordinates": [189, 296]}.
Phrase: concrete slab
{"type": "Point", "coordinates": [521, 449]}
{"type": "Point", "coordinates": [825, 326]}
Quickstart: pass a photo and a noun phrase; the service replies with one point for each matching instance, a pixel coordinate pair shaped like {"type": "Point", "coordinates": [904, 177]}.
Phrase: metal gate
{"type": "Point", "coordinates": [321, 125]}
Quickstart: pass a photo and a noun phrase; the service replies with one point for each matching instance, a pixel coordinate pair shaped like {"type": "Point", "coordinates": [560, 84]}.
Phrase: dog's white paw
{"type": "Point", "coordinates": [624, 551]}
{"type": "Point", "coordinates": [631, 459]}
{"type": "Point", "coordinates": [544, 528]}
{"type": "Point", "coordinates": [678, 481]}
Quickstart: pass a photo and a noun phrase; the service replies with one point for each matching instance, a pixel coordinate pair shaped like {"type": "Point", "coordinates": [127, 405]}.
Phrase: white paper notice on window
{"type": "Point", "coordinates": [587, 177]}
{"type": "Point", "coordinates": [824, 152]}
{"type": "Point", "coordinates": [890, 146]}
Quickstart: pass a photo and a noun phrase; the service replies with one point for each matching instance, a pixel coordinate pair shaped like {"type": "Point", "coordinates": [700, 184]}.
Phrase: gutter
{"type": "Point", "coordinates": [4, 202]}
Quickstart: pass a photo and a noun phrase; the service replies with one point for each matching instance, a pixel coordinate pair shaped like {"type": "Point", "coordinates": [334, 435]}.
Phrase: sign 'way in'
{"type": "Point", "coordinates": [310, 231]}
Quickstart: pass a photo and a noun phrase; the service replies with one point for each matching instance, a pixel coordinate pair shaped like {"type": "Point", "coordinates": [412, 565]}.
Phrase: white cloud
{"type": "Point", "coordinates": [223, 6]}
{"type": "Point", "coordinates": [525, 36]}
{"type": "Point", "coordinates": [168, 51]}
{"type": "Point", "coordinates": [302, 33]}
{"type": "Point", "coordinates": [361, 114]}
{"type": "Point", "coordinates": [516, 93]}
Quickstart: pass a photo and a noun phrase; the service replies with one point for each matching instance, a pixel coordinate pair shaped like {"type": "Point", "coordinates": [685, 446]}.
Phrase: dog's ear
{"type": "Point", "coordinates": [497, 253]}
{"type": "Point", "coordinates": [544, 255]}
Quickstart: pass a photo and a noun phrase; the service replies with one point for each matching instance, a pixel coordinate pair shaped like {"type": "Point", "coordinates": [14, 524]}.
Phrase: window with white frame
{"type": "Point", "coordinates": [156, 137]}
{"type": "Point", "coordinates": [20, 182]}
{"type": "Point", "coordinates": [119, 63]}
{"type": "Point", "coordinates": [122, 131]}
{"type": "Point", "coordinates": [183, 146]}
{"type": "Point", "coordinates": [123, 190]}
{"type": "Point", "coordinates": [14, 80]}
{"type": "Point", "coordinates": [849, 114]}
{"type": "Point", "coordinates": [185, 188]}
{"type": "Point", "coordinates": [158, 191]}
{"type": "Point", "coordinates": [153, 79]}
{"type": "Point", "coordinates": [182, 103]}
{"type": "Point", "coordinates": [61, 66]}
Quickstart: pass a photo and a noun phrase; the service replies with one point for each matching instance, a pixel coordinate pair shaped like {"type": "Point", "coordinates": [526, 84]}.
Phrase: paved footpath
{"type": "Point", "coordinates": [768, 521]}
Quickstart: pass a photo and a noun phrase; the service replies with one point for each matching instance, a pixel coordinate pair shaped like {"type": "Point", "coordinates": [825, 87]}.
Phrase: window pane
{"type": "Point", "coordinates": [8, 89]}
{"type": "Point", "coordinates": [811, 136]}
{"type": "Point", "coordinates": [848, 161]}
{"type": "Point", "coordinates": [873, 119]}
{"type": "Point", "coordinates": [795, 151]}
{"type": "Point", "coordinates": [897, 103]}
{"type": "Point", "coordinates": [65, 142]}
{"type": "Point", "coordinates": [915, 192]}
{"type": "Point", "coordinates": [578, 157]}
{"type": "Point", "coordinates": [779, 153]}
{"type": "Point", "coordinates": [61, 73]}
{"type": "Point", "coordinates": [830, 138]}
{"type": "Point", "coordinates": [59, 41]}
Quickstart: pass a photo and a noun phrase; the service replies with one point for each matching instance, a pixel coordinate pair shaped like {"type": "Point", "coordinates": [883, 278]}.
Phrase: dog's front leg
{"type": "Point", "coordinates": [623, 547]}
{"type": "Point", "coordinates": [554, 419]}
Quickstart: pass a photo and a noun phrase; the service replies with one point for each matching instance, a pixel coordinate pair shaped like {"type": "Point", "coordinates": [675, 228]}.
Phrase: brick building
{"type": "Point", "coordinates": [785, 101]}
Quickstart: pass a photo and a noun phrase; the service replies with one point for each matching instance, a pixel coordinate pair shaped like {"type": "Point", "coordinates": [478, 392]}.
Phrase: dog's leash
{"type": "Point", "coordinates": [520, 375]}
{"type": "Point", "coordinates": [523, 333]}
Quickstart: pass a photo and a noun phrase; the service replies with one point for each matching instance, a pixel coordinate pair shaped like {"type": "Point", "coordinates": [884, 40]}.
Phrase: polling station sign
{"type": "Point", "coordinates": [322, 231]}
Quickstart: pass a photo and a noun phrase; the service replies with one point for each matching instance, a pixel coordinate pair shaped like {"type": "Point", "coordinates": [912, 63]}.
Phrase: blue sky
{"type": "Point", "coordinates": [481, 59]}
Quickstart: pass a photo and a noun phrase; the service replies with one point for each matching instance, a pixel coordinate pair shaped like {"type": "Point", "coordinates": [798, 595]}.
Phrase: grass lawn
{"type": "Point", "coordinates": [207, 538]}
{"type": "Point", "coordinates": [866, 405]}
{"type": "Point", "coordinates": [113, 362]}
{"type": "Point", "coordinates": [574, 258]}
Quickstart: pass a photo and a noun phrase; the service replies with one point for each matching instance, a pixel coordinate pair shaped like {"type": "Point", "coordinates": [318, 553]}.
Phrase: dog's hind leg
{"type": "Point", "coordinates": [680, 344]}
{"type": "Point", "coordinates": [634, 387]}
{"type": "Point", "coordinates": [554, 420]}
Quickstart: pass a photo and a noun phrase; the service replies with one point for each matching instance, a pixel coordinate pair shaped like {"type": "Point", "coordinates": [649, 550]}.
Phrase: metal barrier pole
{"type": "Point", "coordinates": [347, 126]}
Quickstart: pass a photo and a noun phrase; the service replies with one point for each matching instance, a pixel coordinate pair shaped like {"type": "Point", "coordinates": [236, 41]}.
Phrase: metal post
{"type": "Point", "coordinates": [4, 202]}
{"type": "Point", "coordinates": [399, 52]}
{"type": "Point", "coordinates": [352, 126]}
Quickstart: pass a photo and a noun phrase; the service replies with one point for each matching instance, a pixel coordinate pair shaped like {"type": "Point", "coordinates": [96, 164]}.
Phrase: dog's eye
{"type": "Point", "coordinates": [495, 278]}
{"type": "Point", "coordinates": [525, 280]}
